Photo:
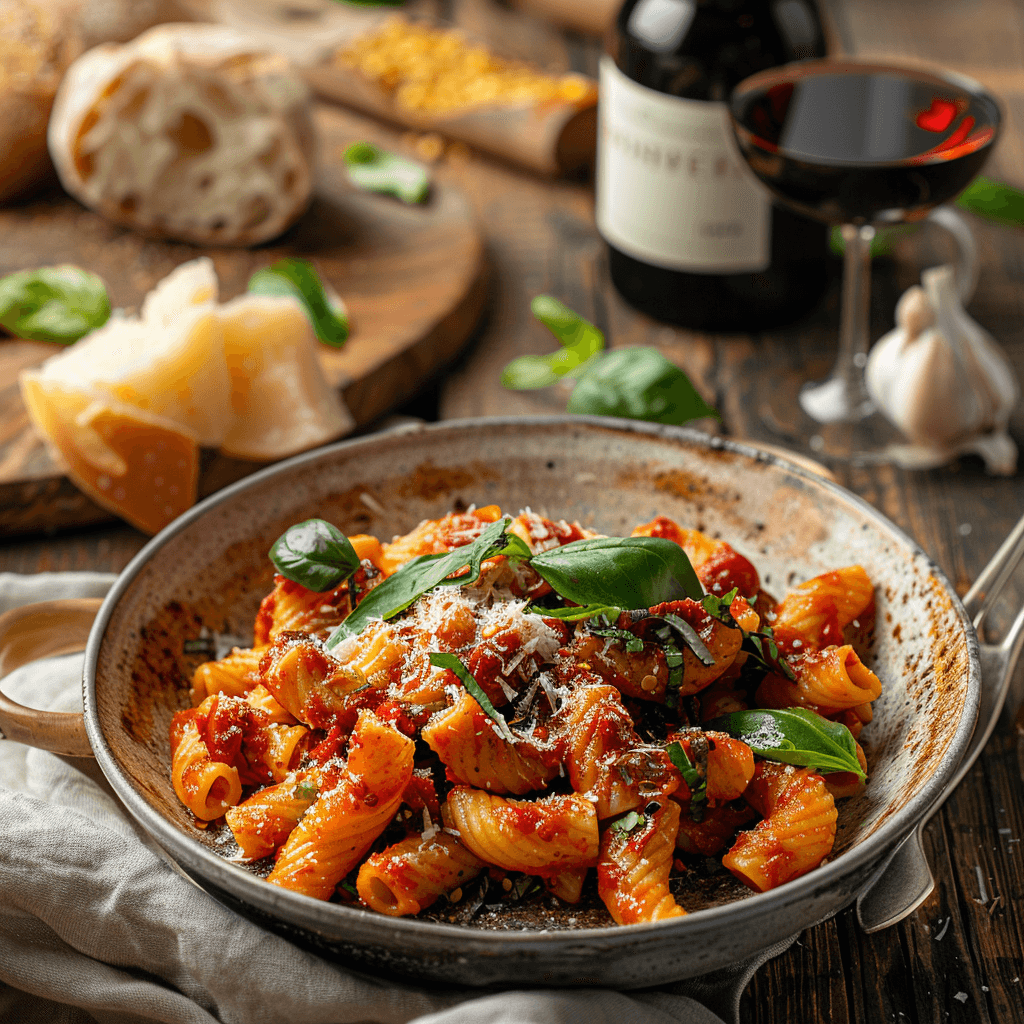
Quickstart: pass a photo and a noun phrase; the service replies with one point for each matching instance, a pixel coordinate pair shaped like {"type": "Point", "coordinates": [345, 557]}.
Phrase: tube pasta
{"type": "Point", "coordinates": [796, 834]}
{"type": "Point", "coordinates": [540, 837]}
{"type": "Point", "coordinates": [264, 821]}
{"type": "Point", "coordinates": [831, 680]}
{"type": "Point", "coordinates": [233, 676]}
{"type": "Point", "coordinates": [206, 787]}
{"type": "Point", "coordinates": [634, 868]}
{"type": "Point", "coordinates": [466, 741]}
{"type": "Point", "coordinates": [552, 757]}
{"type": "Point", "coordinates": [413, 873]}
{"type": "Point", "coordinates": [340, 826]}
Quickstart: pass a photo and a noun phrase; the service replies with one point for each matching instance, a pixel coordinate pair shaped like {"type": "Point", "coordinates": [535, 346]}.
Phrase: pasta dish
{"type": "Point", "coordinates": [491, 704]}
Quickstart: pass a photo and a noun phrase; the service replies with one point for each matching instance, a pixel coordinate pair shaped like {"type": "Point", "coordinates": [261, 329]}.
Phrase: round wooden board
{"type": "Point", "coordinates": [411, 276]}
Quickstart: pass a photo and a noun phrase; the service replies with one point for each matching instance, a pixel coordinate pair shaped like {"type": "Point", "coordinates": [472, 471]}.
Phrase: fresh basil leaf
{"type": "Point", "coordinates": [572, 613]}
{"type": "Point", "coordinates": [424, 573]}
{"type": "Point", "coordinates": [579, 338]}
{"type": "Point", "coordinates": [794, 736]}
{"type": "Point", "coordinates": [298, 278]}
{"type": "Point", "coordinates": [639, 384]}
{"type": "Point", "coordinates": [691, 776]}
{"type": "Point", "coordinates": [622, 572]}
{"type": "Point", "coordinates": [314, 554]}
{"type": "Point", "coordinates": [454, 664]}
{"type": "Point", "coordinates": [994, 200]}
{"type": "Point", "coordinates": [377, 170]}
{"type": "Point", "coordinates": [754, 643]}
{"type": "Point", "coordinates": [59, 304]}
{"type": "Point", "coordinates": [628, 822]}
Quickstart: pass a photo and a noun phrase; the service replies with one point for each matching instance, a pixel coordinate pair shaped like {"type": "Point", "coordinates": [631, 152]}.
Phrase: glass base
{"type": "Point", "coordinates": [825, 422]}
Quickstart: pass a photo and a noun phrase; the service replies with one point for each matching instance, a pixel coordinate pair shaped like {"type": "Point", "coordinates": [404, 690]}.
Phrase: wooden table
{"type": "Point", "coordinates": [959, 957]}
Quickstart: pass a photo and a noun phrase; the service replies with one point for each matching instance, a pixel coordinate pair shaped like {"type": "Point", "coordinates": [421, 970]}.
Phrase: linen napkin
{"type": "Point", "coordinates": [97, 926]}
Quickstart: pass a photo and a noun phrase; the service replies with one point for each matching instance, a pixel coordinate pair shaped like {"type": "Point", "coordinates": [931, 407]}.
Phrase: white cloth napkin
{"type": "Point", "coordinates": [96, 926]}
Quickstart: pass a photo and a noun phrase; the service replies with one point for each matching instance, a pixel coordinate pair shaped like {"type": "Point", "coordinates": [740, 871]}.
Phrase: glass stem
{"type": "Point", "coordinates": [843, 397]}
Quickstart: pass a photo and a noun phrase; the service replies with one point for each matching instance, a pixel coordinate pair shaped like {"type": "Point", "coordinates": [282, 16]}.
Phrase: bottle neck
{"type": "Point", "coordinates": [700, 49]}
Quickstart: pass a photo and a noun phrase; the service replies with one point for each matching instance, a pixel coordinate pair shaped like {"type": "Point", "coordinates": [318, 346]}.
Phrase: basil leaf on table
{"type": "Point", "coordinates": [298, 278]}
{"type": "Point", "coordinates": [579, 338]}
{"type": "Point", "coordinates": [314, 554]}
{"type": "Point", "coordinates": [639, 384]}
{"type": "Point", "coordinates": [473, 688]}
{"type": "Point", "coordinates": [377, 170]}
{"type": "Point", "coordinates": [794, 736]}
{"type": "Point", "coordinates": [622, 572]}
{"type": "Point", "coordinates": [424, 573]}
{"type": "Point", "coordinates": [994, 200]}
{"type": "Point", "coordinates": [59, 304]}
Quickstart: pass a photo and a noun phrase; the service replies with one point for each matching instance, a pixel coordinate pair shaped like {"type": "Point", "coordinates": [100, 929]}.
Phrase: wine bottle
{"type": "Point", "coordinates": [692, 237]}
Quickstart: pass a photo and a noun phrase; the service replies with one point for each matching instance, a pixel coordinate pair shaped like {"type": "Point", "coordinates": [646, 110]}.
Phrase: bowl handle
{"type": "Point", "coordinates": [36, 631]}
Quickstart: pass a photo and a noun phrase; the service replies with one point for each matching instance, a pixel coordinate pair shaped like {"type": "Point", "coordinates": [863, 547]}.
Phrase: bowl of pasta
{"type": "Point", "coordinates": [550, 701]}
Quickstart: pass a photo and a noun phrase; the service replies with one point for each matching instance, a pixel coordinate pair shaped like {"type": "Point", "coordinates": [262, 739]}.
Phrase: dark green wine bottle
{"type": "Point", "coordinates": [692, 237]}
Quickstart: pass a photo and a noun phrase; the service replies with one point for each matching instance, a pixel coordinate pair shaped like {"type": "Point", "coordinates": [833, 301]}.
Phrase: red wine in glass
{"type": "Point", "coordinates": [860, 144]}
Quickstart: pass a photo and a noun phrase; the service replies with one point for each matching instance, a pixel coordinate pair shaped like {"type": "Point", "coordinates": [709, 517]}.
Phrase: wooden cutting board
{"type": "Point", "coordinates": [412, 277]}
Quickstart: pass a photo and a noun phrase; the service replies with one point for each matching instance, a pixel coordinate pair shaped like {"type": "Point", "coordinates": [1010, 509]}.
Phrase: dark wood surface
{"type": "Point", "coordinates": [960, 957]}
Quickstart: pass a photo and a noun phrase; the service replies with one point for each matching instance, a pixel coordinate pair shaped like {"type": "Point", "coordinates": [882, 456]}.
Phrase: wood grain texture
{"type": "Point", "coordinates": [412, 277]}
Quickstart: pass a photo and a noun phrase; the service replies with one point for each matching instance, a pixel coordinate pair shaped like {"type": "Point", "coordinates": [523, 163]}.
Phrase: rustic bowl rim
{"type": "Point", "coordinates": [332, 918]}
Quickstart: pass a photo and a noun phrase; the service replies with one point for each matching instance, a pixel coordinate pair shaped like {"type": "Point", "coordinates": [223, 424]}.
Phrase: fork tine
{"type": "Point", "coordinates": [994, 577]}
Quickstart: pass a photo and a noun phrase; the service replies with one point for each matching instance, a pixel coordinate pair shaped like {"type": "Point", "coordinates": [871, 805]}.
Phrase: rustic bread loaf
{"type": "Point", "coordinates": [186, 133]}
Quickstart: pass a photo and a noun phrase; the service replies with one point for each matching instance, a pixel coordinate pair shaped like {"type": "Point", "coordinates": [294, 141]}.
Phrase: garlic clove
{"type": "Point", "coordinates": [943, 380]}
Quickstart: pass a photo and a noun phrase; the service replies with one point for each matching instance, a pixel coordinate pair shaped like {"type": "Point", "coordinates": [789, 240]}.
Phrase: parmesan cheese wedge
{"type": "Point", "coordinates": [129, 404]}
{"type": "Point", "coordinates": [144, 468]}
{"type": "Point", "coordinates": [280, 399]}
{"type": "Point", "coordinates": [168, 362]}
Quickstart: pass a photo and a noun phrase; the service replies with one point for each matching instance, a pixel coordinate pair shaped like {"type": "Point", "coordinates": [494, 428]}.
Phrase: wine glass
{"type": "Point", "coordinates": [857, 144]}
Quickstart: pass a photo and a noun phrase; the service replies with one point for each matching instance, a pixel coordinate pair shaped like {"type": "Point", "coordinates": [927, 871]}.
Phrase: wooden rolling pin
{"type": "Point", "coordinates": [379, 62]}
{"type": "Point", "coordinates": [591, 17]}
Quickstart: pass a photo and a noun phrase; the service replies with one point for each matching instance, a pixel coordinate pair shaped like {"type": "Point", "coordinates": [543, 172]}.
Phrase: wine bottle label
{"type": "Point", "coordinates": [672, 188]}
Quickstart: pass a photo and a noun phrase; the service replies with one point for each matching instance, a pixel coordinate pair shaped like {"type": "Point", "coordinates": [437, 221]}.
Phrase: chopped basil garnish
{"type": "Point", "coordinates": [579, 338]}
{"type": "Point", "coordinates": [59, 304]}
{"type": "Point", "coordinates": [760, 644]}
{"type": "Point", "coordinates": [628, 822]}
{"type": "Point", "coordinates": [454, 664]}
{"type": "Point", "coordinates": [794, 736]}
{"type": "Point", "coordinates": [633, 643]}
{"type": "Point", "coordinates": [314, 554]}
{"type": "Point", "coordinates": [690, 637]}
{"type": "Point", "coordinates": [306, 791]}
{"type": "Point", "coordinates": [377, 170]}
{"type": "Point", "coordinates": [298, 278]}
{"type": "Point", "coordinates": [424, 573]}
{"type": "Point", "coordinates": [697, 783]}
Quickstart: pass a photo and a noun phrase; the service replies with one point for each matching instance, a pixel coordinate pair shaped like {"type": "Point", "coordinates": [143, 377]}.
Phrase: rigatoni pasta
{"type": "Point", "coordinates": [494, 729]}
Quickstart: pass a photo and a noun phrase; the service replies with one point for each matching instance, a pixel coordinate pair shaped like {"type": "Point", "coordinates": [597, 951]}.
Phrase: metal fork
{"type": "Point", "coordinates": [906, 881]}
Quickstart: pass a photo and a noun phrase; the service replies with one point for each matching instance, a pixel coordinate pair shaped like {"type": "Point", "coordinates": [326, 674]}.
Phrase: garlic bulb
{"type": "Point", "coordinates": [943, 380]}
